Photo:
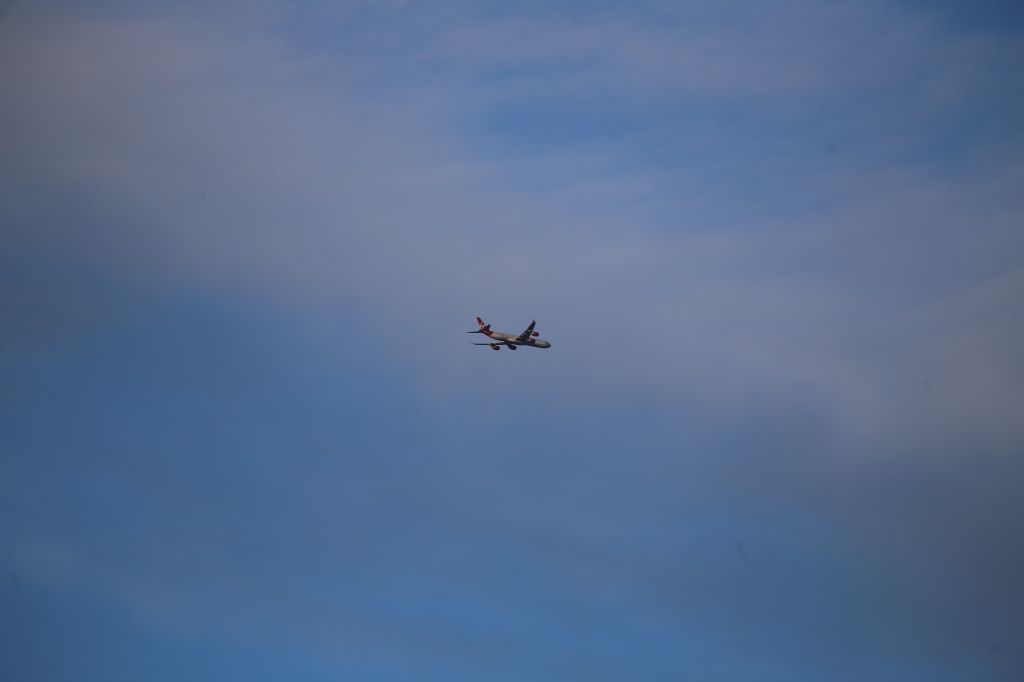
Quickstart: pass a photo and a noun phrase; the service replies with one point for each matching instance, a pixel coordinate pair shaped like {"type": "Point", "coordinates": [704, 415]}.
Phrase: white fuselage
{"type": "Point", "coordinates": [502, 337]}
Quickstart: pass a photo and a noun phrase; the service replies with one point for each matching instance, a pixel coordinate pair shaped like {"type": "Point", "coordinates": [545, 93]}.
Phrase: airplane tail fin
{"type": "Point", "coordinates": [484, 328]}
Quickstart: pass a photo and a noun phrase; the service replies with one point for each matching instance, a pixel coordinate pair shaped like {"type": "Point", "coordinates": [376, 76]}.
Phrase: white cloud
{"type": "Point", "coordinates": [244, 161]}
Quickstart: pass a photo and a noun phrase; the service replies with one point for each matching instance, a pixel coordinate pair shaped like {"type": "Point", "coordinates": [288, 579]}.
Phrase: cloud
{"type": "Point", "coordinates": [227, 159]}
{"type": "Point", "coordinates": [775, 249]}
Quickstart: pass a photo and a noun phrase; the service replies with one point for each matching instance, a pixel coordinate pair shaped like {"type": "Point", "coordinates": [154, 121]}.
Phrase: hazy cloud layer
{"type": "Point", "coordinates": [777, 251]}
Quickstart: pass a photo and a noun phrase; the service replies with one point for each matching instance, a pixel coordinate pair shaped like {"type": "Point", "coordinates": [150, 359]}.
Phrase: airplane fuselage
{"type": "Point", "coordinates": [513, 339]}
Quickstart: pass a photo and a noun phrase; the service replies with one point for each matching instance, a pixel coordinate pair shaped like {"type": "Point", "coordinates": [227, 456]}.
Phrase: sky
{"type": "Point", "coordinates": [778, 249]}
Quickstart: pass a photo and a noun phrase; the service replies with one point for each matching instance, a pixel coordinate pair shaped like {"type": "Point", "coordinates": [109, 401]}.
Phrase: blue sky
{"type": "Point", "coordinates": [777, 250]}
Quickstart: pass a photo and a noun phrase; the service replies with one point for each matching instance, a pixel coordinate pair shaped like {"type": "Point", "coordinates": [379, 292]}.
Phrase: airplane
{"type": "Point", "coordinates": [499, 339]}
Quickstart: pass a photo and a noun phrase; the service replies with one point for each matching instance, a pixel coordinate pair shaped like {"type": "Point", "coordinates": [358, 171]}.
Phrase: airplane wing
{"type": "Point", "coordinates": [525, 336]}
